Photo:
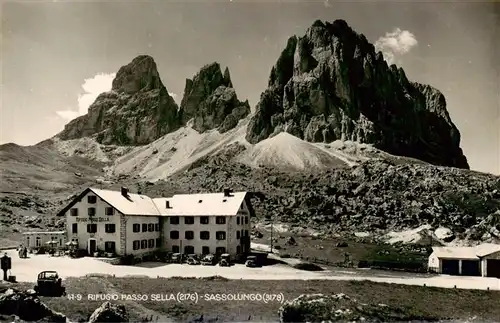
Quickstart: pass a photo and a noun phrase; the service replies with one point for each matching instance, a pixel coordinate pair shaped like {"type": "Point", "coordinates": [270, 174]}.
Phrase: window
{"type": "Point", "coordinates": [174, 235]}
{"type": "Point", "coordinates": [238, 249]}
{"type": "Point", "coordinates": [158, 242]}
{"type": "Point", "coordinates": [220, 250]}
{"type": "Point", "coordinates": [136, 227]}
{"type": "Point", "coordinates": [246, 233]}
{"type": "Point", "coordinates": [237, 234]}
{"type": "Point", "coordinates": [246, 220]}
{"type": "Point", "coordinates": [204, 220]}
{"type": "Point", "coordinates": [92, 228]}
{"type": "Point", "coordinates": [73, 212]}
{"type": "Point", "coordinates": [220, 220]}
{"type": "Point", "coordinates": [175, 249]}
{"type": "Point", "coordinates": [91, 211]}
{"type": "Point", "coordinates": [38, 241]}
{"type": "Point", "coordinates": [157, 227]}
{"type": "Point", "coordinates": [205, 235]}
{"type": "Point", "coordinates": [189, 235]}
{"type": "Point", "coordinates": [238, 220]}
{"type": "Point", "coordinates": [220, 235]}
{"type": "Point", "coordinates": [74, 228]}
{"type": "Point", "coordinates": [136, 245]}
{"type": "Point", "coordinates": [110, 228]}
{"type": "Point", "coordinates": [188, 220]}
{"type": "Point", "coordinates": [188, 250]}
{"type": "Point", "coordinates": [110, 246]}
{"type": "Point", "coordinates": [144, 227]}
{"type": "Point", "coordinates": [174, 220]}
{"type": "Point", "coordinates": [109, 211]}
{"type": "Point", "coordinates": [151, 243]}
{"type": "Point", "coordinates": [205, 250]}
{"type": "Point", "coordinates": [144, 244]}
{"type": "Point", "coordinates": [91, 199]}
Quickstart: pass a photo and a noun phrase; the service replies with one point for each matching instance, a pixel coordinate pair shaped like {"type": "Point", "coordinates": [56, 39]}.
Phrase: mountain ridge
{"type": "Point", "coordinates": [139, 109]}
{"type": "Point", "coordinates": [331, 84]}
{"type": "Point", "coordinates": [332, 186]}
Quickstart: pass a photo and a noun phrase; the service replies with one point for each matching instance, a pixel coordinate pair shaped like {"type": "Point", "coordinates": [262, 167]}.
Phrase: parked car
{"type": "Point", "coordinates": [176, 258]}
{"type": "Point", "coordinates": [251, 262]}
{"type": "Point", "coordinates": [208, 260]}
{"type": "Point", "coordinates": [49, 284]}
{"type": "Point", "coordinates": [192, 260]}
{"type": "Point", "coordinates": [225, 260]}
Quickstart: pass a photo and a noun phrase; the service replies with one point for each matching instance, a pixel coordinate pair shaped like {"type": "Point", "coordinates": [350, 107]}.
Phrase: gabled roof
{"type": "Point", "coordinates": [455, 252]}
{"type": "Point", "coordinates": [133, 204]}
{"type": "Point", "coordinates": [486, 249]}
{"type": "Point", "coordinates": [476, 252]}
{"type": "Point", "coordinates": [209, 204]}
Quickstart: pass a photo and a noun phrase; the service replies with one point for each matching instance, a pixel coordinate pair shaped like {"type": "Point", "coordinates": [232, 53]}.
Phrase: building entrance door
{"type": "Point", "coordinates": [92, 246]}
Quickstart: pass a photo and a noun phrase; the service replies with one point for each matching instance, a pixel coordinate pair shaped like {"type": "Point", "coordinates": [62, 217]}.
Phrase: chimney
{"type": "Point", "coordinates": [124, 191]}
{"type": "Point", "coordinates": [167, 204]}
{"type": "Point", "coordinates": [227, 192]}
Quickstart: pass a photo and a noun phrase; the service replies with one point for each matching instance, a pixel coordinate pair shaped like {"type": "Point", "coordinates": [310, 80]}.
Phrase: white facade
{"type": "Point", "coordinates": [96, 225]}
{"type": "Point", "coordinates": [145, 237]}
{"type": "Point", "coordinates": [131, 224]}
{"type": "Point", "coordinates": [40, 239]}
{"type": "Point", "coordinates": [208, 234]}
{"type": "Point", "coordinates": [434, 264]}
{"type": "Point", "coordinates": [480, 257]}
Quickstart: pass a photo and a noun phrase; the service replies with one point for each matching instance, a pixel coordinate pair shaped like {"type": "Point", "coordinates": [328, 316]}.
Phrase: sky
{"type": "Point", "coordinates": [57, 56]}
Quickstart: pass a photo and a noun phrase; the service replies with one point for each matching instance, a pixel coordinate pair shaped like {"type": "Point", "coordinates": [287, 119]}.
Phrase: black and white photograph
{"type": "Point", "coordinates": [249, 161]}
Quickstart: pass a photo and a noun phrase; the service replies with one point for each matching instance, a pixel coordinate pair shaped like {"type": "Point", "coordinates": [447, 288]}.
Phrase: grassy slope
{"type": "Point", "coordinates": [429, 301]}
{"type": "Point", "coordinates": [34, 182]}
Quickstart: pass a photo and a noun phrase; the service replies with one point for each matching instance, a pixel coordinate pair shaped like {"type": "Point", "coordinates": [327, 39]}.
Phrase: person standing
{"type": "Point", "coordinates": [6, 265]}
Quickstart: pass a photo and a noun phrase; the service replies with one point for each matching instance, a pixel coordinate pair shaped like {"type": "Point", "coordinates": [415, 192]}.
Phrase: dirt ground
{"type": "Point", "coordinates": [445, 303]}
{"type": "Point", "coordinates": [26, 270]}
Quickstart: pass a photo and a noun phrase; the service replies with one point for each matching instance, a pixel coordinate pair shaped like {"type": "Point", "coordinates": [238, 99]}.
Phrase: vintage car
{"type": "Point", "coordinates": [176, 258]}
{"type": "Point", "coordinates": [208, 260]}
{"type": "Point", "coordinates": [225, 260]}
{"type": "Point", "coordinates": [49, 284]}
{"type": "Point", "coordinates": [251, 262]}
{"type": "Point", "coordinates": [192, 260]}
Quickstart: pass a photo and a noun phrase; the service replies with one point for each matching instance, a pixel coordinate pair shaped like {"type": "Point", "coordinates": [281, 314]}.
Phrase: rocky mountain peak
{"type": "Point", "coordinates": [211, 101]}
{"type": "Point", "coordinates": [137, 111]}
{"type": "Point", "coordinates": [331, 84]}
{"type": "Point", "coordinates": [139, 75]}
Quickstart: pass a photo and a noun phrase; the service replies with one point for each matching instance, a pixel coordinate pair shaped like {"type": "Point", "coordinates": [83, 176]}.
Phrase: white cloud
{"type": "Point", "coordinates": [67, 114]}
{"type": "Point", "coordinates": [92, 87]}
{"type": "Point", "coordinates": [395, 43]}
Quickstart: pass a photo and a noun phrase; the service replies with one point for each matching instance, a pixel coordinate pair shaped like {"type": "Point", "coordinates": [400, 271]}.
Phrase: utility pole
{"type": "Point", "coordinates": [272, 229]}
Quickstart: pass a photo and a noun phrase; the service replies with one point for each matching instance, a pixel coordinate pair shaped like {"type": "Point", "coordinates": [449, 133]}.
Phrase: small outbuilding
{"type": "Point", "coordinates": [482, 260]}
{"type": "Point", "coordinates": [38, 239]}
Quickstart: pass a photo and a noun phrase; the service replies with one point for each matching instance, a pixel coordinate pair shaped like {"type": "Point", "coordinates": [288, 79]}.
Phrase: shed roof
{"type": "Point", "coordinates": [476, 252]}
{"type": "Point", "coordinates": [44, 232]}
